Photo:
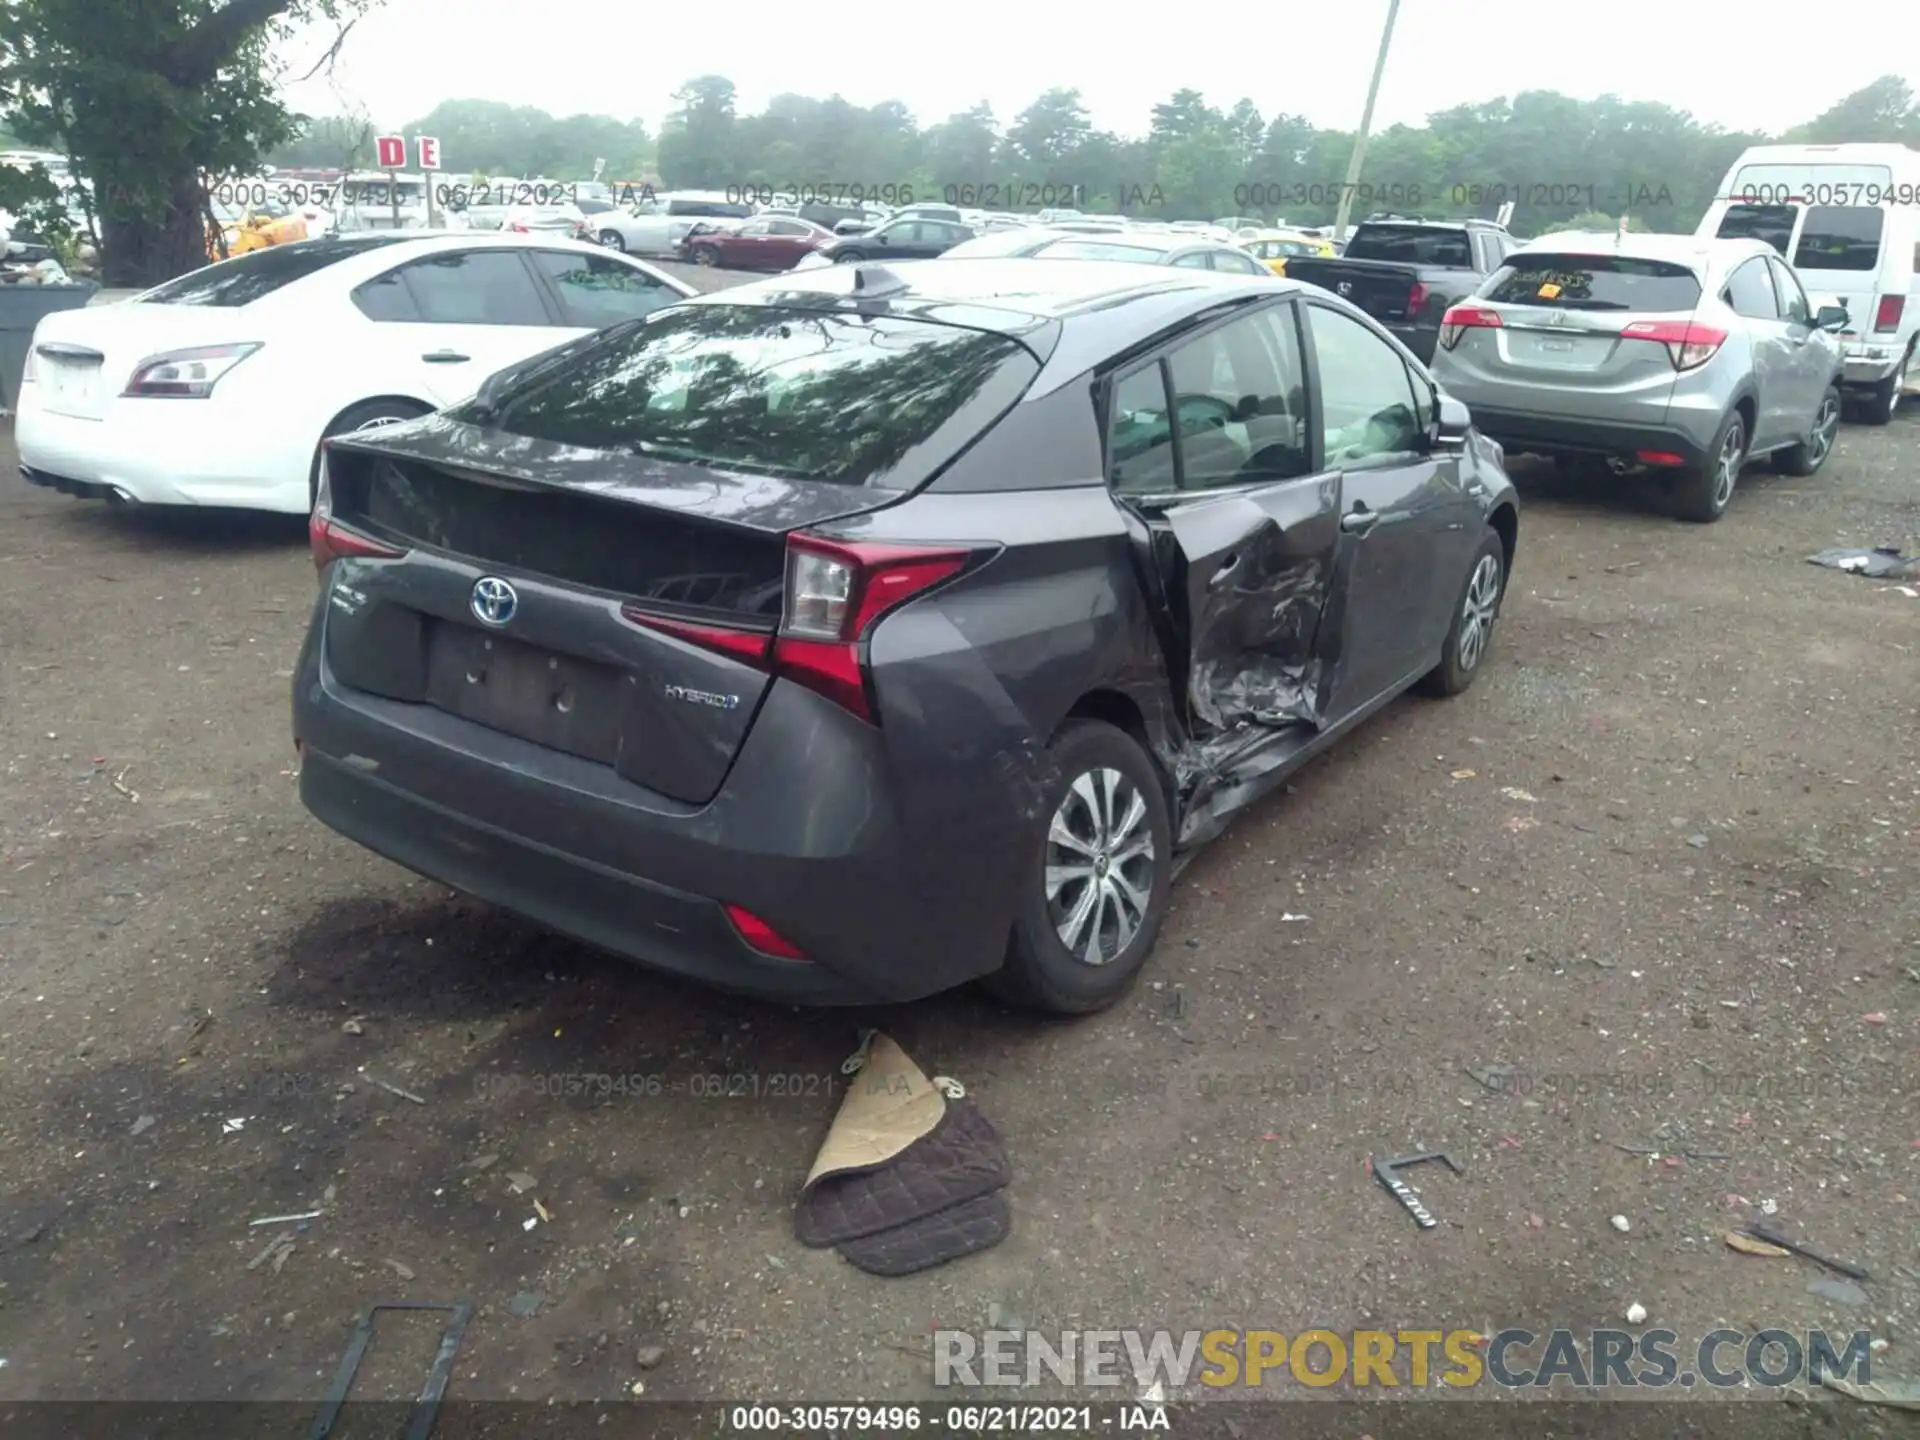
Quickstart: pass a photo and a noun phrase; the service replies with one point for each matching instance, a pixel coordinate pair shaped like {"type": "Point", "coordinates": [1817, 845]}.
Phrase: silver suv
{"type": "Point", "coordinates": [1684, 355]}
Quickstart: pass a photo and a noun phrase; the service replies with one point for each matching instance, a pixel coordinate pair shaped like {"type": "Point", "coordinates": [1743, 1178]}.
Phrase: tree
{"type": "Point", "coordinates": [1883, 110]}
{"type": "Point", "coordinates": [1045, 133]}
{"type": "Point", "coordinates": [150, 98]}
{"type": "Point", "coordinates": [697, 142]}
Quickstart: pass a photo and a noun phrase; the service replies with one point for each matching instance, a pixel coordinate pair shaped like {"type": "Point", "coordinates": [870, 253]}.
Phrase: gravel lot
{"type": "Point", "coordinates": [1662, 861]}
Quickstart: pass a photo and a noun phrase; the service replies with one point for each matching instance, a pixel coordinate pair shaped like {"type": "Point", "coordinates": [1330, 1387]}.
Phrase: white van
{"type": "Point", "coordinates": [1847, 217]}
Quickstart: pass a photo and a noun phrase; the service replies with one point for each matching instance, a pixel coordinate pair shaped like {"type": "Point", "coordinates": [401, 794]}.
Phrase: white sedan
{"type": "Point", "coordinates": [217, 388]}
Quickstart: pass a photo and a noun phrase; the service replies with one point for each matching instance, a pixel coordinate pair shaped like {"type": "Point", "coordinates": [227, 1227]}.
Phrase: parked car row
{"type": "Point", "coordinates": [612, 574]}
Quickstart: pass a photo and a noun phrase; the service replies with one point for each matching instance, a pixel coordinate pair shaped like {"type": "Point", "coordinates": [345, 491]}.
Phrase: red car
{"type": "Point", "coordinates": [775, 243]}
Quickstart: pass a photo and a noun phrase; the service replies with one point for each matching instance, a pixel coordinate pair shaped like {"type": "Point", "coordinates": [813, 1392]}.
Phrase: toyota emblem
{"type": "Point", "coordinates": [494, 600]}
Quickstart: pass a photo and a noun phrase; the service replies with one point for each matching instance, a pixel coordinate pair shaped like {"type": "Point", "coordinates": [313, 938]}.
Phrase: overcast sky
{"type": "Point", "coordinates": [1725, 65]}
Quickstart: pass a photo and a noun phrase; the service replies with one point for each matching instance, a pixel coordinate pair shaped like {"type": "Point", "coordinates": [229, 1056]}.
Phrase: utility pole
{"type": "Point", "coordinates": [1366, 126]}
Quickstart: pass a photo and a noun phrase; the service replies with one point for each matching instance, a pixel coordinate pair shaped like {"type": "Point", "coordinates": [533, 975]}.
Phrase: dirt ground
{"type": "Point", "coordinates": [1661, 861]}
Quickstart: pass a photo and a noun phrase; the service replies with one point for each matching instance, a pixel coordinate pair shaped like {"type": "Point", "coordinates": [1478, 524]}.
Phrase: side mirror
{"type": "Point", "coordinates": [1453, 421]}
{"type": "Point", "coordinates": [1831, 317]}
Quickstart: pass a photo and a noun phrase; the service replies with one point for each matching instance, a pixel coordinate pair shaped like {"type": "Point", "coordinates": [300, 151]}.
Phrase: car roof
{"type": "Point", "coordinates": [1694, 251]}
{"type": "Point", "coordinates": [1096, 309]}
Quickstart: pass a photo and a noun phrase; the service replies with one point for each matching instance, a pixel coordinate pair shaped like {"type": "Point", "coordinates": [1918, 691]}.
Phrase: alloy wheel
{"type": "Point", "coordinates": [1100, 866]}
{"type": "Point", "coordinates": [1478, 610]}
{"type": "Point", "coordinates": [1825, 427]}
{"type": "Point", "coordinates": [1726, 468]}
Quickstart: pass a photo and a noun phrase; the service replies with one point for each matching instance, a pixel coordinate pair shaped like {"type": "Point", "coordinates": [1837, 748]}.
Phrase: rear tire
{"type": "Point", "coordinates": [706, 255]}
{"type": "Point", "coordinates": [1880, 404]}
{"type": "Point", "coordinates": [848, 257]}
{"type": "Point", "coordinates": [1810, 454]}
{"type": "Point", "coordinates": [1702, 495]}
{"type": "Point", "coordinates": [363, 416]}
{"type": "Point", "coordinates": [1106, 836]}
{"type": "Point", "coordinates": [1470, 635]}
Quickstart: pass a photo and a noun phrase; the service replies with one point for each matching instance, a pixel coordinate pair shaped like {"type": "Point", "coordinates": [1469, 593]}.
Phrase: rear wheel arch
{"type": "Point", "coordinates": [1505, 522]}
{"type": "Point", "coordinates": [1123, 712]}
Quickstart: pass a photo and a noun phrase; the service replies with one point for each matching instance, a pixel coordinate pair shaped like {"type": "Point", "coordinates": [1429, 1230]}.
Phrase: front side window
{"type": "Point", "coordinates": [1793, 299]}
{"type": "Point", "coordinates": [1369, 414]}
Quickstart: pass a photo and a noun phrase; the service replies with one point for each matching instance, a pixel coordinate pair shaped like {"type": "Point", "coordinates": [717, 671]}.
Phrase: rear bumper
{"type": "Point", "coordinates": [894, 882]}
{"type": "Point", "coordinates": [1867, 365]}
{"type": "Point", "coordinates": [1539, 434]}
{"type": "Point", "coordinates": [175, 452]}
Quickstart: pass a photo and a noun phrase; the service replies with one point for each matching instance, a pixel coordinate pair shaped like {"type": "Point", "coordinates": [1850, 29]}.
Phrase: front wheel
{"type": "Point", "coordinates": [1702, 494]}
{"type": "Point", "coordinates": [1473, 615]}
{"type": "Point", "coordinates": [1811, 453]}
{"type": "Point", "coordinates": [848, 257]}
{"type": "Point", "coordinates": [1101, 871]}
{"type": "Point", "coordinates": [706, 255]}
{"type": "Point", "coordinates": [613, 240]}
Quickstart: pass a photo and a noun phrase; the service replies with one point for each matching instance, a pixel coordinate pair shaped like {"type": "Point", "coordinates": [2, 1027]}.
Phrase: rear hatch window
{"type": "Point", "coordinates": [1840, 237]}
{"type": "Point", "coordinates": [1594, 282]}
{"type": "Point", "coordinates": [800, 394]}
{"type": "Point", "coordinates": [253, 276]}
{"type": "Point", "coordinates": [1412, 245]}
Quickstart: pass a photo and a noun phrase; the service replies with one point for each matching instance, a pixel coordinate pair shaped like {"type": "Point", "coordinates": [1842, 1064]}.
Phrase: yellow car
{"type": "Point", "coordinates": [253, 227]}
{"type": "Point", "coordinates": [1274, 247]}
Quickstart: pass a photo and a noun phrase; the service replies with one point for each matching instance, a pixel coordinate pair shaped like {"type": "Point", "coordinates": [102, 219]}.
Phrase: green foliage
{"type": "Point", "coordinates": [146, 97]}
{"type": "Point", "coordinates": [1554, 156]}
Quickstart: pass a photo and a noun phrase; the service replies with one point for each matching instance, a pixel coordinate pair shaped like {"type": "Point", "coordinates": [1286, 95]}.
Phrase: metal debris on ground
{"type": "Point", "coordinates": [394, 1089]}
{"type": "Point", "coordinates": [426, 1407]}
{"type": "Point", "coordinates": [521, 1181]}
{"type": "Point", "coordinates": [284, 1219]}
{"type": "Point", "coordinates": [405, 1272]}
{"type": "Point", "coordinates": [143, 1124]}
{"type": "Point", "coordinates": [233, 1126]}
{"type": "Point", "coordinates": [542, 1211]}
{"type": "Point", "coordinates": [1514, 792]}
{"type": "Point", "coordinates": [1839, 1267]}
{"type": "Point", "coordinates": [120, 785]}
{"type": "Point", "coordinates": [1882, 562]}
{"type": "Point", "coordinates": [1386, 1171]}
{"type": "Point", "coordinates": [1747, 1245]}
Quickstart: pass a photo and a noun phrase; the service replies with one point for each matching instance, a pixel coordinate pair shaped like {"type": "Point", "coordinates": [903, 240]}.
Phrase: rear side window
{"type": "Point", "coordinates": [597, 292]}
{"type": "Point", "coordinates": [1771, 223]}
{"type": "Point", "coordinates": [1412, 245]}
{"type": "Point", "coordinates": [253, 276]}
{"type": "Point", "coordinates": [1593, 282]}
{"type": "Point", "coordinates": [474, 287]}
{"type": "Point", "coordinates": [797, 394]}
{"type": "Point", "coordinates": [1840, 237]}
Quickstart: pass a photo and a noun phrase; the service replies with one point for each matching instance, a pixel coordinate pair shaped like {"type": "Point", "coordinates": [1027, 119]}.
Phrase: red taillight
{"type": "Point", "coordinates": [1887, 316]}
{"type": "Point", "coordinates": [752, 646]}
{"type": "Point", "coordinates": [1416, 300]}
{"type": "Point", "coordinates": [330, 541]}
{"type": "Point", "coordinates": [1689, 345]}
{"type": "Point", "coordinates": [1462, 318]}
{"type": "Point", "coordinates": [761, 936]}
{"type": "Point", "coordinates": [837, 592]}
{"type": "Point", "coordinates": [1664, 458]}
{"type": "Point", "coordinates": [327, 538]}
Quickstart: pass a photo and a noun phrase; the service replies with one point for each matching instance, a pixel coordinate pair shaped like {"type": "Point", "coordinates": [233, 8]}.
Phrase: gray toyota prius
{"type": "Point", "coordinates": [854, 634]}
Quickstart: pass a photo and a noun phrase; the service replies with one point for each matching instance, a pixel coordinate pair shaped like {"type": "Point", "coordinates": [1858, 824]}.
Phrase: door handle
{"type": "Point", "coordinates": [445, 357]}
{"type": "Point", "coordinates": [1224, 573]}
{"type": "Point", "coordinates": [1359, 520]}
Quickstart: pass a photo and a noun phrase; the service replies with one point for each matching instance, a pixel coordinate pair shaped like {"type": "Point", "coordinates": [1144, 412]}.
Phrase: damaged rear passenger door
{"type": "Point", "coordinates": [1210, 440]}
